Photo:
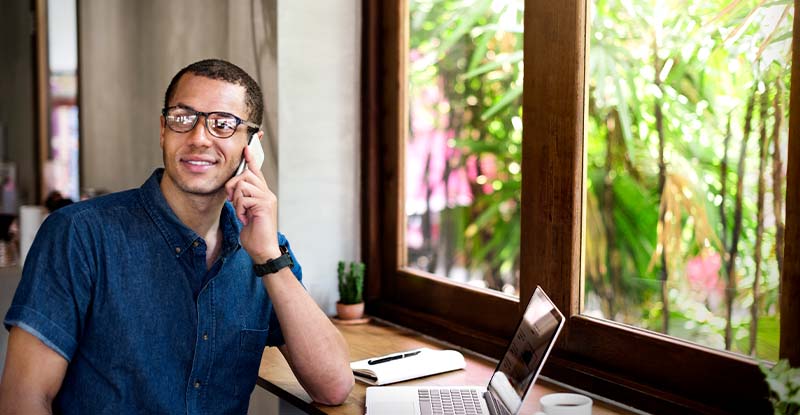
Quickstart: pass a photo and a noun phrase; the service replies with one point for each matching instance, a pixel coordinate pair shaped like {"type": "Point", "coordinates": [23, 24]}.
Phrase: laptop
{"type": "Point", "coordinates": [511, 381]}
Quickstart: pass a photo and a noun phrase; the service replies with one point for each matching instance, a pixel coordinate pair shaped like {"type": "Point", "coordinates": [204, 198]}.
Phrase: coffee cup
{"type": "Point", "coordinates": [565, 404]}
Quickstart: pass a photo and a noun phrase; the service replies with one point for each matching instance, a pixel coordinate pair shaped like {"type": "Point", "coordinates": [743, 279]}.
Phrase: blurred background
{"type": "Point", "coordinates": [82, 87]}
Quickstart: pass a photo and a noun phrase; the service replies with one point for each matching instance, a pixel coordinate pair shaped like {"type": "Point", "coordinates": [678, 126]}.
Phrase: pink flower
{"type": "Point", "coordinates": [703, 271]}
{"type": "Point", "coordinates": [428, 155]}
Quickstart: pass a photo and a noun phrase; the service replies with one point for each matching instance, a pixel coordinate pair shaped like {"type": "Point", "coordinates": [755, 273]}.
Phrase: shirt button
{"type": "Point", "coordinates": [197, 384]}
{"type": "Point", "coordinates": [178, 250]}
{"type": "Point", "coordinates": [195, 244]}
{"type": "Point", "coordinates": [205, 336]}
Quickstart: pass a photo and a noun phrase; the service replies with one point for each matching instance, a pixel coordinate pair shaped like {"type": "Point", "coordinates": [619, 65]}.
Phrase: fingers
{"type": "Point", "coordinates": [253, 164]}
{"type": "Point", "coordinates": [248, 178]}
{"type": "Point", "coordinates": [247, 189]}
{"type": "Point", "coordinates": [251, 175]}
{"type": "Point", "coordinates": [248, 207]}
{"type": "Point", "coordinates": [242, 205]}
{"type": "Point", "coordinates": [249, 199]}
{"type": "Point", "coordinates": [243, 201]}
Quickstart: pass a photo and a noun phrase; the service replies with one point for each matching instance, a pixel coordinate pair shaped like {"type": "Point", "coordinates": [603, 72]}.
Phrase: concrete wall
{"type": "Point", "coordinates": [318, 101]}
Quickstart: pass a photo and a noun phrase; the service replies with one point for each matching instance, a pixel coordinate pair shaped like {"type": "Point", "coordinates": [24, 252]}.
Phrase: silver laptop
{"type": "Point", "coordinates": [512, 379]}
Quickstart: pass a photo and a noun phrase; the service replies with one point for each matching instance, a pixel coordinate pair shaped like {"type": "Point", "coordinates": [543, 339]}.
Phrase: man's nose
{"type": "Point", "coordinates": [199, 135]}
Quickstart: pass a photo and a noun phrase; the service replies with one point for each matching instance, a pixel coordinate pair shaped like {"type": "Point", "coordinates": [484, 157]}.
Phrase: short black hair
{"type": "Point", "coordinates": [224, 71]}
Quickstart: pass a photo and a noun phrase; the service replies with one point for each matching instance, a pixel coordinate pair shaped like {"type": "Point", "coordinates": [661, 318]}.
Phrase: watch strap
{"type": "Point", "coordinates": [274, 265]}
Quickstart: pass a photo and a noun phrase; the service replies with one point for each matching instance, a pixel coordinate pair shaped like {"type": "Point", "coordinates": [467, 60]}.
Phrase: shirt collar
{"type": "Point", "coordinates": [177, 235]}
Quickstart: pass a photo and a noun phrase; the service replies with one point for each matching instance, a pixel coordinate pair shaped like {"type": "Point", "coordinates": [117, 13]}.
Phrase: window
{"type": "Point", "coordinates": [463, 149]}
{"type": "Point", "coordinates": [686, 146]}
{"type": "Point", "coordinates": [641, 368]}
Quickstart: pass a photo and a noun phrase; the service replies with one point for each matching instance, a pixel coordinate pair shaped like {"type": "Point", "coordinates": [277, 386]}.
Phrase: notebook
{"type": "Point", "coordinates": [410, 364]}
{"type": "Point", "coordinates": [511, 381]}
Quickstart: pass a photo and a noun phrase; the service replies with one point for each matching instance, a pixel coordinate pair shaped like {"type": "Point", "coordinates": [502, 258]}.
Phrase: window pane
{"type": "Point", "coordinates": [686, 146]}
{"type": "Point", "coordinates": [462, 157]}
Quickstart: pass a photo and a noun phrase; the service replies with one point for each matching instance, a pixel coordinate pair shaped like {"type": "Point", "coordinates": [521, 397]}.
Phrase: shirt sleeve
{"type": "Point", "coordinates": [275, 335]}
{"type": "Point", "coordinates": [54, 293]}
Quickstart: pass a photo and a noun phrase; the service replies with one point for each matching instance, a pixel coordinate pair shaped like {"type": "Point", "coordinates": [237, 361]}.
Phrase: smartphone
{"type": "Point", "coordinates": [256, 152]}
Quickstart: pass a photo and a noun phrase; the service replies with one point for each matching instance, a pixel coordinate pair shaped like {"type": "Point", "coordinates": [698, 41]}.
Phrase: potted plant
{"type": "Point", "coordinates": [351, 286]}
{"type": "Point", "coordinates": [784, 386]}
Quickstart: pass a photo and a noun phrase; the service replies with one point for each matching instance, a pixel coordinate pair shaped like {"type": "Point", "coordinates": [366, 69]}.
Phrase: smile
{"type": "Point", "coordinates": [199, 163]}
{"type": "Point", "coordinates": [198, 166]}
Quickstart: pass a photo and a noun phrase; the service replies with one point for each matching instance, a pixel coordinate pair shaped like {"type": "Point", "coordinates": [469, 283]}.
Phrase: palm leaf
{"type": "Point", "coordinates": [465, 24]}
{"type": "Point", "coordinates": [498, 62]}
{"type": "Point", "coordinates": [503, 102]}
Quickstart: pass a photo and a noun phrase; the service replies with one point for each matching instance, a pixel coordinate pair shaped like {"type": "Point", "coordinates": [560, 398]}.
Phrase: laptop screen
{"type": "Point", "coordinates": [536, 334]}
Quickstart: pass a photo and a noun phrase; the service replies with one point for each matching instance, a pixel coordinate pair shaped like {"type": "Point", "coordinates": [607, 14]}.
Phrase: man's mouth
{"type": "Point", "coordinates": [199, 162]}
{"type": "Point", "coordinates": [198, 165]}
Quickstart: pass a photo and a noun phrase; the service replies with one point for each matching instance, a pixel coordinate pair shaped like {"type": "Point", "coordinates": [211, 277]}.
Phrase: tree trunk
{"type": "Point", "coordinates": [777, 175]}
{"type": "Point", "coordinates": [427, 219]}
{"type": "Point", "coordinates": [446, 228]}
{"type": "Point", "coordinates": [611, 292]}
{"type": "Point", "coordinates": [762, 167]}
{"type": "Point", "coordinates": [455, 121]}
{"type": "Point", "coordinates": [723, 178]}
{"type": "Point", "coordinates": [662, 176]}
{"type": "Point", "coordinates": [737, 223]}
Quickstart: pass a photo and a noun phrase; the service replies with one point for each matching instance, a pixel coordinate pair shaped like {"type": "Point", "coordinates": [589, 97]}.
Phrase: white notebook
{"type": "Point", "coordinates": [410, 364]}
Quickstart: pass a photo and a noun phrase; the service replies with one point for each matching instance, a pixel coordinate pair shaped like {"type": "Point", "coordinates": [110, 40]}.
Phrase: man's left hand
{"type": "Point", "coordinates": [257, 208]}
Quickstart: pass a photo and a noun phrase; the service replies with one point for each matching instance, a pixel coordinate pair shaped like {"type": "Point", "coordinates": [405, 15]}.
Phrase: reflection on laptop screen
{"type": "Point", "coordinates": [525, 355]}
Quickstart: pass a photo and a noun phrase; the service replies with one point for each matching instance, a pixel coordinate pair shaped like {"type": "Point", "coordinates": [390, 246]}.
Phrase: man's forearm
{"type": "Point", "coordinates": [18, 403]}
{"type": "Point", "coordinates": [316, 351]}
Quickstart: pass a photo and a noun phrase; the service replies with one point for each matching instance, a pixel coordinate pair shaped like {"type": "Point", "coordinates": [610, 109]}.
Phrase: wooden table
{"type": "Point", "coordinates": [379, 338]}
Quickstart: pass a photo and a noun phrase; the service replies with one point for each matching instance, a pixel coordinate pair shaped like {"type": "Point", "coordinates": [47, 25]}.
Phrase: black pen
{"type": "Point", "coordinates": [390, 358]}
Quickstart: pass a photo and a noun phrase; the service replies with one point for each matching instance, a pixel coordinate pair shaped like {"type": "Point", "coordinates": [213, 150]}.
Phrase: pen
{"type": "Point", "coordinates": [390, 358]}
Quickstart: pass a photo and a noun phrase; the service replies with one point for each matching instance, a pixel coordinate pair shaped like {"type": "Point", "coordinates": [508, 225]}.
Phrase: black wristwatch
{"type": "Point", "coordinates": [274, 265]}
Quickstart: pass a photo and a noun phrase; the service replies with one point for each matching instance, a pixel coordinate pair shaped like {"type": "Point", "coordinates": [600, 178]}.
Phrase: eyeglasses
{"type": "Point", "coordinates": [219, 124]}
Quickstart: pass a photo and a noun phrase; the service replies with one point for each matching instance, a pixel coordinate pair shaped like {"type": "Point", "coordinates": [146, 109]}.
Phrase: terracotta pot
{"type": "Point", "coordinates": [349, 311]}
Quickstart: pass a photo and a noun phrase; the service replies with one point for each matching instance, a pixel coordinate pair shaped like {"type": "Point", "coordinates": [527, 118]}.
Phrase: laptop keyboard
{"type": "Point", "coordinates": [449, 401]}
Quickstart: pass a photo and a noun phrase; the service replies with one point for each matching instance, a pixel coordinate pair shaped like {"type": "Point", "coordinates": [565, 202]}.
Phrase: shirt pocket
{"type": "Point", "coordinates": [251, 347]}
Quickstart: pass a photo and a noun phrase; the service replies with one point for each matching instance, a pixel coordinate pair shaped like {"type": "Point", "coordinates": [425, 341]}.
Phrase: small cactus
{"type": "Point", "coordinates": [351, 282]}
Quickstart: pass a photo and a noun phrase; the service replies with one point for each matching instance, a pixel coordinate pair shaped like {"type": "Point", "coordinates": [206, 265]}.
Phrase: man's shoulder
{"type": "Point", "coordinates": [98, 207]}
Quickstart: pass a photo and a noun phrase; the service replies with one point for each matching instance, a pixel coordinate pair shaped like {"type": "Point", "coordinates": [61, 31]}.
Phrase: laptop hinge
{"type": "Point", "coordinates": [495, 408]}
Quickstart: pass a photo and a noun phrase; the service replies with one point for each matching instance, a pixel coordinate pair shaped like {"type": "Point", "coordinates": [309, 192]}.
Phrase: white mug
{"type": "Point", "coordinates": [565, 404]}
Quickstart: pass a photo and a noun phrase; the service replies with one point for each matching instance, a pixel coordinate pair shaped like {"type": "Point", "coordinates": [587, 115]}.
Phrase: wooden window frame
{"type": "Point", "coordinates": [643, 369]}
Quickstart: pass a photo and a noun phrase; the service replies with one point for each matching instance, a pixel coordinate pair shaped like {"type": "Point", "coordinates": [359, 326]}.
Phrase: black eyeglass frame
{"type": "Point", "coordinates": [251, 126]}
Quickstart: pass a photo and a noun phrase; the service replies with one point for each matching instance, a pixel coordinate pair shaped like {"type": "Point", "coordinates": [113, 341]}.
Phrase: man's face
{"type": "Point", "coordinates": [196, 162]}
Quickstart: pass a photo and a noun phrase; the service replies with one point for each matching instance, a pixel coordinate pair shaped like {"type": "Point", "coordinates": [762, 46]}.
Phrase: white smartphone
{"type": "Point", "coordinates": [256, 152]}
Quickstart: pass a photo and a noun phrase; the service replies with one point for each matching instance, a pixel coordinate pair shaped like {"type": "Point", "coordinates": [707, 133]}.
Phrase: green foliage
{"type": "Point", "coordinates": [471, 50]}
{"type": "Point", "coordinates": [697, 62]}
{"type": "Point", "coordinates": [784, 386]}
{"type": "Point", "coordinates": [351, 282]}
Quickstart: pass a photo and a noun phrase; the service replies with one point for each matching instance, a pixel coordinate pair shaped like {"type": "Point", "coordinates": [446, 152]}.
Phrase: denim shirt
{"type": "Point", "coordinates": [108, 284]}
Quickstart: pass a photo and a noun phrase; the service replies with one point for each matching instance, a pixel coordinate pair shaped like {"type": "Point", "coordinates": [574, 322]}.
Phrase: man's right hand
{"type": "Point", "coordinates": [32, 376]}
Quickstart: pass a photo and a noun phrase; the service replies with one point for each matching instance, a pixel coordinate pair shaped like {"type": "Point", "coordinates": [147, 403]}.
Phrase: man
{"type": "Point", "coordinates": [161, 299]}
